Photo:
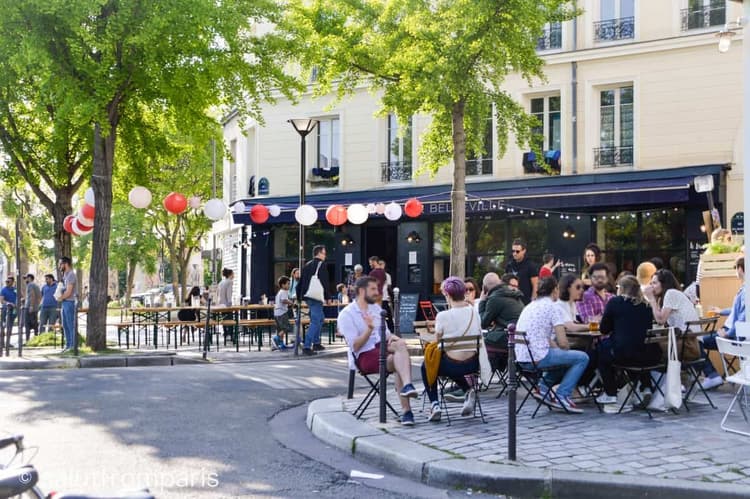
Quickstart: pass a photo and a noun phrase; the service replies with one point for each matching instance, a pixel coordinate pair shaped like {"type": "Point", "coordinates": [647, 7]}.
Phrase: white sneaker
{"type": "Point", "coordinates": [436, 413]}
{"type": "Point", "coordinates": [606, 399]}
{"type": "Point", "coordinates": [614, 409]}
{"type": "Point", "coordinates": [657, 402]}
{"type": "Point", "coordinates": [469, 401]}
{"type": "Point", "coordinates": [712, 382]}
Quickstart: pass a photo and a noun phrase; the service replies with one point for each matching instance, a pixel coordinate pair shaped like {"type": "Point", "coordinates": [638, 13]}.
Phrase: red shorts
{"type": "Point", "coordinates": [369, 361]}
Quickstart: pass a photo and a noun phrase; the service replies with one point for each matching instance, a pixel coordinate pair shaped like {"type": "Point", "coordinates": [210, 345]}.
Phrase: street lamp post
{"type": "Point", "coordinates": [303, 126]}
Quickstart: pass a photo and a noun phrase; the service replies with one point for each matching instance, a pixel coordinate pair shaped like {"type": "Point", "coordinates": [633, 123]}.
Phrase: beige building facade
{"type": "Point", "coordinates": [637, 102]}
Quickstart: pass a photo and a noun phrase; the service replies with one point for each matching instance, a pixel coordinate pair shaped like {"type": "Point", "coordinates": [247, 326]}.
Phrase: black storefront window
{"type": "Point", "coordinates": [285, 246]}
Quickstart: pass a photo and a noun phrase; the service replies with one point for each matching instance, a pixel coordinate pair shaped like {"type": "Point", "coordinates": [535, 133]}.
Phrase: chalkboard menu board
{"type": "Point", "coordinates": [738, 223]}
{"type": "Point", "coordinates": [695, 249]}
{"type": "Point", "coordinates": [407, 313]}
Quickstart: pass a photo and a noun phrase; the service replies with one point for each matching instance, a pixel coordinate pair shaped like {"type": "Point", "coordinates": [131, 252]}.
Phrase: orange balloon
{"type": "Point", "coordinates": [413, 208]}
{"type": "Point", "coordinates": [336, 214]}
{"type": "Point", "coordinates": [259, 214]}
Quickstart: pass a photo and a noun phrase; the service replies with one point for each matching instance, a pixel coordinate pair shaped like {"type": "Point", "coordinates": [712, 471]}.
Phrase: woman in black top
{"type": "Point", "coordinates": [626, 318]}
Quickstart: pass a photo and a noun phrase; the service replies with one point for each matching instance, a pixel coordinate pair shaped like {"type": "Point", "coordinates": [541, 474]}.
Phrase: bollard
{"type": "Point", "coordinates": [207, 331]}
{"type": "Point", "coordinates": [382, 362]}
{"type": "Point", "coordinates": [75, 329]}
{"type": "Point", "coordinates": [512, 387]}
{"type": "Point", "coordinates": [395, 311]}
{"type": "Point", "coordinates": [21, 326]}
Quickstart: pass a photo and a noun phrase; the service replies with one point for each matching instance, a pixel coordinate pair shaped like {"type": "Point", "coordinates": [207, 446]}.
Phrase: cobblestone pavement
{"type": "Point", "coordinates": [687, 445]}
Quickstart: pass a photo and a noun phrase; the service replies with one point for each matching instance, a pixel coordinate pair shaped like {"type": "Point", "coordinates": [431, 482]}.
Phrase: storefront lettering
{"type": "Point", "coordinates": [471, 207]}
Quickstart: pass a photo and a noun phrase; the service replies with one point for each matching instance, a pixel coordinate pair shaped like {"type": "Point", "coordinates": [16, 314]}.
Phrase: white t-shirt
{"type": "Point", "coordinates": [351, 324]}
{"type": "Point", "coordinates": [682, 308]}
{"type": "Point", "coordinates": [538, 320]}
{"type": "Point", "coordinates": [279, 307]}
{"type": "Point", "coordinates": [454, 321]}
{"type": "Point", "coordinates": [568, 309]}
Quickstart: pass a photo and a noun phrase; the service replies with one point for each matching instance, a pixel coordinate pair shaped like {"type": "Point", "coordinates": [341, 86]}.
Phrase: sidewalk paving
{"type": "Point", "coordinates": [677, 455]}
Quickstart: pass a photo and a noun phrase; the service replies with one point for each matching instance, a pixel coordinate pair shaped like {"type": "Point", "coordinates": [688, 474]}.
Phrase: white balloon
{"type": "Point", "coordinates": [357, 213]}
{"type": "Point", "coordinates": [238, 208]}
{"type": "Point", "coordinates": [306, 215]}
{"type": "Point", "coordinates": [215, 209]}
{"type": "Point", "coordinates": [139, 197]}
{"type": "Point", "coordinates": [380, 208]}
{"type": "Point", "coordinates": [274, 210]}
{"type": "Point", "coordinates": [78, 230]}
{"type": "Point", "coordinates": [371, 208]}
{"type": "Point", "coordinates": [195, 202]}
{"type": "Point", "coordinates": [88, 196]}
{"type": "Point", "coordinates": [393, 211]}
{"type": "Point", "coordinates": [88, 222]}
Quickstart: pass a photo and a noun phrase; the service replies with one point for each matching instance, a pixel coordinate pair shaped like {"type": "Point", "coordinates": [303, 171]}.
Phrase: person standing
{"type": "Point", "coordinates": [314, 268]}
{"type": "Point", "coordinates": [225, 299]}
{"type": "Point", "coordinates": [33, 300]}
{"type": "Point", "coordinates": [68, 301]}
{"type": "Point", "coordinates": [48, 313]}
{"type": "Point", "coordinates": [293, 281]}
{"type": "Point", "coordinates": [351, 280]}
{"type": "Point", "coordinates": [591, 254]}
{"type": "Point", "coordinates": [378, 274]}
{"type": "Point", "coordinates": [387, 290]}
{"type": "Point", "coordinates": [8, 299]}
{"type": "Point", "coordinates": [524, 269]}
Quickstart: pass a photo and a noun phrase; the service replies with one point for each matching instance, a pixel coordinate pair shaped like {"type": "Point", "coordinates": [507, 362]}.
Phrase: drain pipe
{"type": "Point", "coordinates": [574, 98]}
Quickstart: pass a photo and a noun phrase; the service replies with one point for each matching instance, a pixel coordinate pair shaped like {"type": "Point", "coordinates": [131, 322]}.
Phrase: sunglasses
{"type": "Point", "coordinates": [578, 286]}
{"type": "Point", "coordinates": [516, 251]}
{"type": "Point", "coordinates": [470, 289]}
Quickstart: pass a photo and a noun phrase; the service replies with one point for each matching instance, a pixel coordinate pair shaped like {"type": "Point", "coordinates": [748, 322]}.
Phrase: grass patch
{"type": "Point", "coordinates": [48, 340]}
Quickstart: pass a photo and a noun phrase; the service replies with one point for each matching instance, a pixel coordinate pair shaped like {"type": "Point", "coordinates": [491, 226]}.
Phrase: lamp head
{"type": "Point", "coordinates": [303, 126]}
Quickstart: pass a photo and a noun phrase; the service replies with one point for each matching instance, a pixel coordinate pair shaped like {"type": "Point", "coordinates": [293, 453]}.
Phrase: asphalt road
{"type": "Point", "coordinates": [188, 431]}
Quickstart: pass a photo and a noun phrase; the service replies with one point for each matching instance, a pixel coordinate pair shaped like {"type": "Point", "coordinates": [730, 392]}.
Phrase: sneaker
{"type": "Point", "coordinates": [604, 399]}
{"type": "Point", "coordinates": [407, 419]}
{"type": "Point", "coordinates": [318, 347]}
{"type": "Point", "coordinates": [455, 396]}
{"type": "Point", "coordinates": [469, 403]}
{"type": "Point", "coordinates": [646, 395]}
{"type": "Point", "coordinates": [409, 391]}
{"type": "Point", "coordinates": [657, 403]}
{"type": "Point", "coordinates": [545, 396]}
{"type": "Point", "coordinates": [435, 413]}
{"type": "Point", "coordinates": [615, 409]}
{"type": "Point", "coordinates": [274, 348]}
{"type": "Point", "coordinates": [712, 382]}
{"type": "Point", "coordinates": [569, 406]}
{"type": "Point", "coordinates": [309, 351]}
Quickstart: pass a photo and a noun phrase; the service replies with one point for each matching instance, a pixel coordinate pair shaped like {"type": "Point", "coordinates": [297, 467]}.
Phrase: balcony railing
{"type": "Point", "coordinates": [608, 157]}
{"type": "Point", "coordinates": [704, 17]}
{"type": "Point", "coordinates": [614, 29]}
{"type": "Point", "coordinates": [481, 166]}
{"type": "Point", "coordinates": [551, 38]}
{"type": "Point", "coordinates": [395, 171]}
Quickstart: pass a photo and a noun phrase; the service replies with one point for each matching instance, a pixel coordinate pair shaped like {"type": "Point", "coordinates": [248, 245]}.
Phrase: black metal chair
{"type": "Point", "coordinates": [462, 344]}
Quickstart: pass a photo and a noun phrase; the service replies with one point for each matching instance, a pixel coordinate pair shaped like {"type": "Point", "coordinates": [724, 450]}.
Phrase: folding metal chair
{"type": "Point", "coordinates": [532, 375]}
{"type": "Point", "coordinates": [429, 313]}
{"type": "Point", "coordinates": [462, 344]}
{"type": "Point", "coordinates": [693, 368]}
{"type": "Point", "coordinates": [741, 350]}
{"type": "Point", "coordinates": [374, 385]}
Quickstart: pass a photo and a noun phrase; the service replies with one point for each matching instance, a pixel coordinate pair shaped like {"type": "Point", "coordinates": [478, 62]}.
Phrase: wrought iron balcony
{"type": "Point", "coordinates": [704, 17]}
{"type": "Point", "coordinates": [614, 29]}
{"type": "Point", "coordinates": [551, 39]}
{"type": "Point", "coordinates": [481, 166]}
{"type": "Point", "coordinates": [608, 157]}
{"type": "Point", "coordinates": [395, 171]}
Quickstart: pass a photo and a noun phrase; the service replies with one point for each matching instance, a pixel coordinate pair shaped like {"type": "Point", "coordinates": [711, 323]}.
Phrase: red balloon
{"type": "Point", "coordinates": [259, 214]}
{"type": "Point", "coordinates": [68, 224]}
{"type": "Point", "coordinates": [83, 226]}
{"type": "Point", "coordinates": [88, 211]}
{"type": "Point", "coordinates": [413, 208]}
{"type": "Point", "coordinates": [336, 214]}
{"type": "Point", "coordinates": [175, 203]}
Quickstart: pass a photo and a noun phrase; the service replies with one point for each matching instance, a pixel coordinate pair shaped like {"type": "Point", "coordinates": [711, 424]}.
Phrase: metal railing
{"type": "Point", "coordinates": [703, 17]}
{"type": "Point", "coordinates": [551, 38]}
{"type": "Point", "coordinates": [614, 29]}
{"type": "Point", "coordinates": [395, 171]}
{"type": "Point", "coordinates": [606, 157]}
{"type": "Point", "coordinates": [481, 166]}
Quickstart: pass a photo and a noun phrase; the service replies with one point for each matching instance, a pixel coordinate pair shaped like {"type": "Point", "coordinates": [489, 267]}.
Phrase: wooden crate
{"type": "Point", "coordinates": [719, 281]}
{"type": "Point", "coordinates": [721, 265]}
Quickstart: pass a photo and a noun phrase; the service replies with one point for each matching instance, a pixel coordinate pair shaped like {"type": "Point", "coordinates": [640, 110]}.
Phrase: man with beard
{"type": "Point", "coordinates": [591, 307]}
{"type": "Point", "coordinates": [360, 323]}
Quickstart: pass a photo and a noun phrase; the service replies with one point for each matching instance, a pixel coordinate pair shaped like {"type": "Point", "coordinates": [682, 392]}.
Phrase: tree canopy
{"type": "Point", "coordinates": [444, 58]}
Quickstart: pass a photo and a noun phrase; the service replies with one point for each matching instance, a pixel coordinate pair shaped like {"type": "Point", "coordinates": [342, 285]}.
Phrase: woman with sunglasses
{"type": "Point", "coordinates": [570, 290]}
{"type": "Point", "coordinates": [472, 292]}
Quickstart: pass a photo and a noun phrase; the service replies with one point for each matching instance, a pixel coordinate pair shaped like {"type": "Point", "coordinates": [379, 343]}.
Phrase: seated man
{"type": "Point", "coordinates": [737, 314]}
{"type": "Point", "coordinates": [544, 325]}
{"type": "Point", "coordinates": [359, 322]}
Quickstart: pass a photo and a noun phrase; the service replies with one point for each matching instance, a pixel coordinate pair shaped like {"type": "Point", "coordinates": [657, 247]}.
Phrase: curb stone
{"type": "Point", "coordinates": [434, 467]}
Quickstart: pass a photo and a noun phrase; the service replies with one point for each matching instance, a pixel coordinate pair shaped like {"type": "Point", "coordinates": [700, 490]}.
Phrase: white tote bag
{"type": "Point", "coordinates": [673, 389]}
{"type": "Point", "coordinates": [315, 288]}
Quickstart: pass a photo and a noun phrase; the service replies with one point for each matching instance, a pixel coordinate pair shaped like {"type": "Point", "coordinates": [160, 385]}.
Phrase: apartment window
{"type": "Point", "coordinates": [233, 170]}
{"type": "Point", "coordinates": [704, 14]}
{"type": "Point", "coordinates": [481, 164]}
{"type": "Point", "coordinates": [398, 167]}
{"type": "Point", "coordinates": [547, 111]}
{"type": "Point", "coordinates": [617, 21]}
{"type": "Point", "coordinates": [551, 38]}
{"type": "Point", "coordinates": [616, 128]}
{"type": "Point", "coordinates": [326, 171]}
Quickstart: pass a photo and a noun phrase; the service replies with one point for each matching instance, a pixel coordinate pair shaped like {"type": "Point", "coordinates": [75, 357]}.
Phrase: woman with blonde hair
{"type": "Point", "coordinates": [626, 318]}
{"type": "Point", "coordinates": [644, 273]}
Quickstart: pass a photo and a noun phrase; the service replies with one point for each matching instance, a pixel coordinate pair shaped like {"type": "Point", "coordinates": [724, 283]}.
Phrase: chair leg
{"type": "Point", "coordinates": [724, 426]}
{"type": "Point", "coordinates": [350, 389]}
{"type": "Point", "coordinates": [694, 376]}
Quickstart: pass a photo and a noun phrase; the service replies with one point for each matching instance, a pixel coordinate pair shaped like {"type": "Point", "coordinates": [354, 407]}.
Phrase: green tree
{"type": "Point", "coordinates": [109, 60]}
{"type": "Point", "coordinates": [445, 58]}
{"type": "Point", "coordinates": [133, 243]}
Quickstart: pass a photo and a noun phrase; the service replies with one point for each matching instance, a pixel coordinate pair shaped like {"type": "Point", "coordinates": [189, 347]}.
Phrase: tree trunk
{"type": "Point", "coordinates": [129, 281]}
{"type": "Point", "coordinates": [63, 241]}
{"type": "Point", "coordinates": [101, 182]}
{"type": "Point", "coordinates": [458, 194]}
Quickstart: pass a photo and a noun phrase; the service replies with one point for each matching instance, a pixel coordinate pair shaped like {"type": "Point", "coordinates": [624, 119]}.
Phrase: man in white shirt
{"type": "Point", "coordinates": [360, 323]}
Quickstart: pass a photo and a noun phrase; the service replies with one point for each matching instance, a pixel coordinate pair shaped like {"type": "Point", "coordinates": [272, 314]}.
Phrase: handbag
{"type": "Point", "coordinates": [315, 288]}
{"type": "Point", "coordinates": [673, 389]}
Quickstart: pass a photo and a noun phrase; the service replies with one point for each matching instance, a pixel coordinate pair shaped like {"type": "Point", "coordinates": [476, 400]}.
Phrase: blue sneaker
{"type": "Point", "coordinates": [407, 419]}
{"type": "Point", "coordinates": [409, 391]}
